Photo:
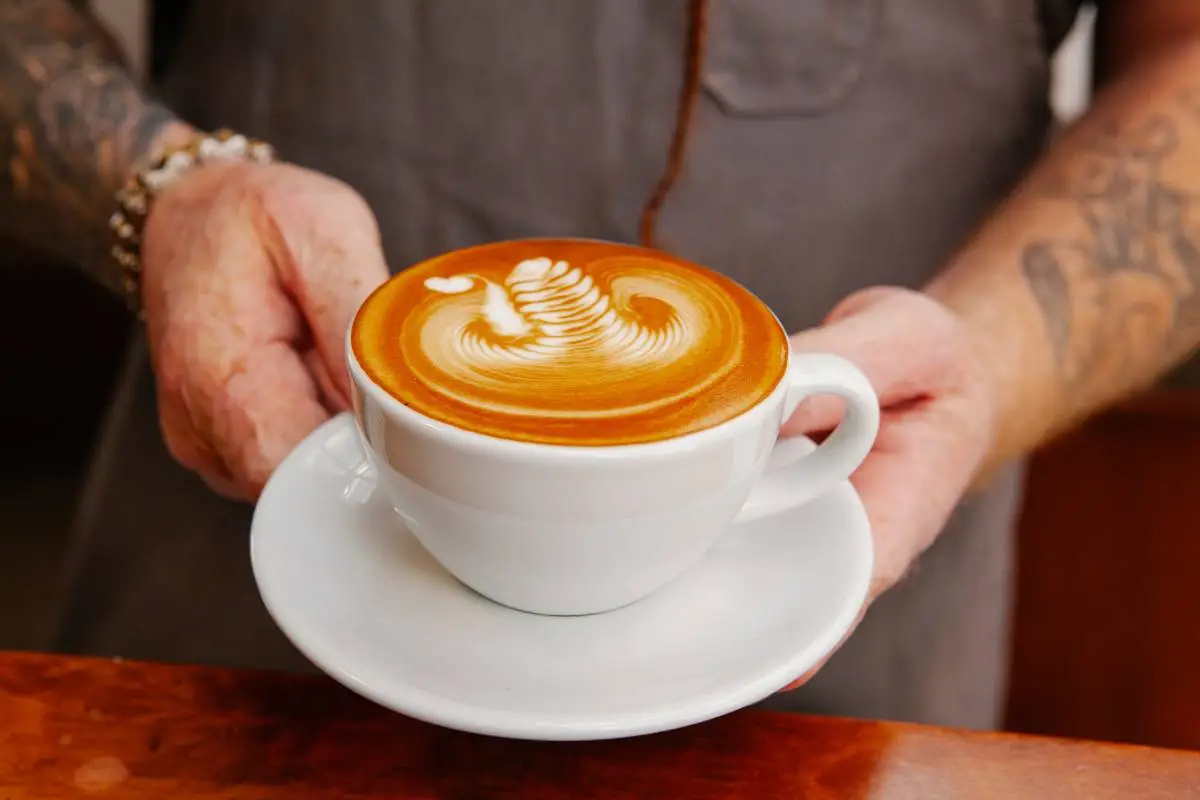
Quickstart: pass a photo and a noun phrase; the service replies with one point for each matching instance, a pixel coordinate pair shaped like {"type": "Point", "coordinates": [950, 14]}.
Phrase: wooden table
{"type": "Point", "coordinates": [72, 727]}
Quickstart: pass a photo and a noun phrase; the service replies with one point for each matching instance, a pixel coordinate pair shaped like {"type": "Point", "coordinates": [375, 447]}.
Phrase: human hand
{"type": "Point", "coordinates": [251, 274]}
{"type": "Point", "coordinates": [937, 407]}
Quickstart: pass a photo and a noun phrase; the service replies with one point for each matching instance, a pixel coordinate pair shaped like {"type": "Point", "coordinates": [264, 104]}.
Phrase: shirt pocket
{"type": "Point", "coordinates": [787, 57]}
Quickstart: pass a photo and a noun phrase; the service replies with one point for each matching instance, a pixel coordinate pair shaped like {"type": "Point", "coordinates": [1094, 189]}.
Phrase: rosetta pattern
{"type": "Point", "coordinates": [605, 336]}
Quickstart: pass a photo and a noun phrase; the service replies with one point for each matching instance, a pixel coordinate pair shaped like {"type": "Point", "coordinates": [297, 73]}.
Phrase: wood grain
{"type": "Point", "coordinates": [80, 727]}
{"type": "Point", "coordinates": [1107, 636]}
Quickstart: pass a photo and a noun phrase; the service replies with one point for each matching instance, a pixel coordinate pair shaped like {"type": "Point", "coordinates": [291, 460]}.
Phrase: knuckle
{"type": "Point", "coordinates": [169, 378]}
{"type": "Point", "coordinates": [234, 425]}
{"type": "Point", "coordinates": [865, 298]}
{"type": "Point", "coordinates": [253, 480]}
{"type": "Point", "coordinates": [248, 470]}
{"type": "Point", "coordinates": [939, 328]}
{"type": "Point", "coordinates": [183, 376]}
{"type": "Point", "coordinates": [181, 447]}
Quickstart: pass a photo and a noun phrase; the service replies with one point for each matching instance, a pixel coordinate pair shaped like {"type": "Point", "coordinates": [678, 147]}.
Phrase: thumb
{"type": "Point", "coordinates": [336, 276]}
{"type": "Point", "coordinates": [895, 336]}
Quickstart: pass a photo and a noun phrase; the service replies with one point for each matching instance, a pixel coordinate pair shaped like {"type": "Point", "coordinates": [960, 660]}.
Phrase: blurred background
{"type": "Point", "coordinates": [1107, 632]}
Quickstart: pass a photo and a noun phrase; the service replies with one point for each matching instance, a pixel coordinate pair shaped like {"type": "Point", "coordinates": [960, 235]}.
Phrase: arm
{"type": "Point", "coordinates": [1085, 286]}
{"type": "Point", "coordinates": [72, 123]}
{"type": "Point", "coordinates": [251, 273]}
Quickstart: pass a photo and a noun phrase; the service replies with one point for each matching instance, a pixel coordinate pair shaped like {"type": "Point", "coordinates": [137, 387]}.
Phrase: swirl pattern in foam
{"type": "Point", "coordinates": [567, 342]}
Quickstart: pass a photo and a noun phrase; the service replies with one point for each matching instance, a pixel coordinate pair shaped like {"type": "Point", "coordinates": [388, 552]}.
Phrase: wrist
{"type": "Point", "coordinates": [178, 152]}
{"type": "Point", "coordinates": [1013, 356]}
{"type": "Point", "coordinates": [173, 135]}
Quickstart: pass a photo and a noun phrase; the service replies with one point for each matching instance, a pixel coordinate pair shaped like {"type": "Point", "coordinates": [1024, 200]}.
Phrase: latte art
{"type": "Point", "coordinates": [570, 347]}
{"type": "Point", "coordinates": [548, 324]}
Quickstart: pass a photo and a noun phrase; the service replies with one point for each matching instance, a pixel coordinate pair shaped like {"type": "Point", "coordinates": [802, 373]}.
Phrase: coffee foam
{"type": "Point", "coordinates": [570, 342]}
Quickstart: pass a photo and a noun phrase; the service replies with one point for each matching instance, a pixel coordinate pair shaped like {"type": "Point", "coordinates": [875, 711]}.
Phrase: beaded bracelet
{"type": "Point", "coordinates": [135, 197]}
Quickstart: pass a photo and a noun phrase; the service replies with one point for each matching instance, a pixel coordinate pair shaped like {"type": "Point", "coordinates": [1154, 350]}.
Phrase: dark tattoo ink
{"type": "Point", "coordinates": [72, 122]}
{"type": "Point", "coordinates": [1049, 284]}
{"type": "Point", "coordinates": [1132, 280]}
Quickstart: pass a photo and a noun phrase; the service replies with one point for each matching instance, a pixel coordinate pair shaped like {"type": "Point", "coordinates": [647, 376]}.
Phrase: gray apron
{"type": "Point", "coordinates": [835, 144]}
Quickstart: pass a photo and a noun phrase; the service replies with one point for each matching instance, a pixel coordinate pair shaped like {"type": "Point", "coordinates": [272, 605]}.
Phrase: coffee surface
{"type": "Point", "coordinates": [576, 342]}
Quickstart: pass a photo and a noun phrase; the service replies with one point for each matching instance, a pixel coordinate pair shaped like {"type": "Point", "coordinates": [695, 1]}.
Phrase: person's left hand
{"type": "Point", "coordinates": [937, 409]}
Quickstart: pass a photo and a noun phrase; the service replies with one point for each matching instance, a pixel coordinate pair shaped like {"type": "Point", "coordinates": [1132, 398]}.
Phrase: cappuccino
{"type": "Point", "coordinates": [570, 342]}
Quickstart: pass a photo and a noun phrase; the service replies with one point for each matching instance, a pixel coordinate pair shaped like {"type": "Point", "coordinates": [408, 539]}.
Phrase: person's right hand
{"type": "Point", "coordinates": [251, 275]}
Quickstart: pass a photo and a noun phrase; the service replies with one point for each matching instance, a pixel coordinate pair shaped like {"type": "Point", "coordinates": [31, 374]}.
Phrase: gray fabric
{"type": "Point", "coordinates": [838, 144]}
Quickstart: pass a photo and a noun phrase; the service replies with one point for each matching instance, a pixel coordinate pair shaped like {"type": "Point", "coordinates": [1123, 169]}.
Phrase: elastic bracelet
{"type": "Point", "coordinates": [137, 195]}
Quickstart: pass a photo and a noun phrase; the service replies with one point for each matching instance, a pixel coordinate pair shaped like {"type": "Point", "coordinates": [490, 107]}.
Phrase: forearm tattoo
{"type": "Point", "coordinates": [72, 122]}
{"type": "Point", "coordinates": [1121, 298]}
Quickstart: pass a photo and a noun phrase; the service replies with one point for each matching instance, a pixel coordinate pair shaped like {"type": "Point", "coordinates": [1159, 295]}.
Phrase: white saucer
{"type": "Point", "coordinates": [357, 594]}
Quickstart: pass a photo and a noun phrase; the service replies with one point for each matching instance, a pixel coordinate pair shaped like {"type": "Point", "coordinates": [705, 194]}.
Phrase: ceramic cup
{"type": "Point", "coordinates": [566, 530]}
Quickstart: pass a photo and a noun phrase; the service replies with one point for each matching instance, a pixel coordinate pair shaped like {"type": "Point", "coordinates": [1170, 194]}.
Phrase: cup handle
{"type": "Point", "coordinates": [797, 471]}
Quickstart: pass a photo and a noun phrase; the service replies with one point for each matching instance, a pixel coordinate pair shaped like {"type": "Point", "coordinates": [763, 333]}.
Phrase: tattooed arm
{"type": "Point", "coordinates": [72, 122]}
{"type": "Point", "coordinates": [1085, 286]}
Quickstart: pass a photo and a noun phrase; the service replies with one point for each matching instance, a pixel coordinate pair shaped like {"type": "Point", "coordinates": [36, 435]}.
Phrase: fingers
{"type": "Point", "coordinates": [907, 496]}
{"type": "Point", "coordinates": [901, 340]}
{"type": "Point", "coordinates": [261, 413]}
{"type": "Point", "coordinates": [234, 433]}
{"type": "Point", "coordinates": [188, 448]}
{"type": "Point", "coordinates": [251, 277]}
{"type": "Point", "coordinates": [914, 353]}
{"type": "Point", "coordinates": [935, 422]}
{"type": "Point", "coordinates": [330, 391]}
{"type": "Point", "coordinates": [343, 283]}
{"type": "Point", "coordinates": [329, 270]}
{"type": "Point", "coordinates": [234, 396]}
{"type": "Point", "coordinates": [909, 485]}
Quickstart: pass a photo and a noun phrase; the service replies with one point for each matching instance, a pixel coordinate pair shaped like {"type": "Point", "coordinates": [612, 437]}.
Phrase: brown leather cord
{"type": "Point", "coordinates": [690, 93]}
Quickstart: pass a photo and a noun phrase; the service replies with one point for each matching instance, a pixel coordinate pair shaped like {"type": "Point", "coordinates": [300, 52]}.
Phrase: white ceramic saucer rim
{"type": "Point", "coordinates": [420, 704]}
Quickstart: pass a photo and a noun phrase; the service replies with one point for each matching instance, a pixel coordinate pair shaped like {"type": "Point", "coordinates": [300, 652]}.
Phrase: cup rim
{"type": "Point", "coordinates": [465, 438]}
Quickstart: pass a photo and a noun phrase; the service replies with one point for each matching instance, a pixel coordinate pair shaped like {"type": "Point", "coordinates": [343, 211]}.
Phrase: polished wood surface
{"type": "Point", "coordinates": [87, 727]}
{"type": "Point", "coordinates": [1107, 633]}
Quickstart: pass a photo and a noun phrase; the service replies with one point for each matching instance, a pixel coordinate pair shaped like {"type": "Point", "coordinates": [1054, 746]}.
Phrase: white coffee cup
{"type": "Point", "coordinates": [564, 530]}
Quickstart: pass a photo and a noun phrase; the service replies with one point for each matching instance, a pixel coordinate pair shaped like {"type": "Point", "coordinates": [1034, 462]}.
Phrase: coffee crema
{"type": "Point", "coordinates": [570, 342]}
